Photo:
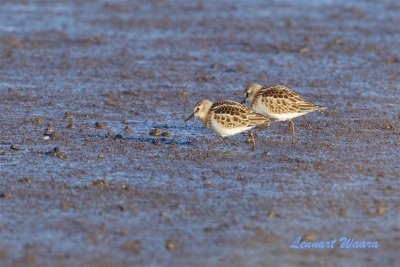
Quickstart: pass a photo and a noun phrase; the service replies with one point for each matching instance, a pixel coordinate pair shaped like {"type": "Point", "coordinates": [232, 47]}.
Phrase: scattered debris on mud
{"type": "Point", "coordinates": [56, 152]}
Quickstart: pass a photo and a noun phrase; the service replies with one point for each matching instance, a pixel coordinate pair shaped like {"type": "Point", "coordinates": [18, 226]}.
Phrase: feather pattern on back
{"type": "Point", "coordinates": [278, 99]}
{"type": "Point", "coordinates": [233, 116]}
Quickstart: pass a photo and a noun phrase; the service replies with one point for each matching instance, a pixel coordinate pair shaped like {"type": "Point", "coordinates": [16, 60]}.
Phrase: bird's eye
{"type": "Point", "coordinates": [197, 109]}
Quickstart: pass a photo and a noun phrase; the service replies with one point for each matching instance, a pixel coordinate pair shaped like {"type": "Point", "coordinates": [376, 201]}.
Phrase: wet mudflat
{"type": "Point", "coordinates": [84, 183]}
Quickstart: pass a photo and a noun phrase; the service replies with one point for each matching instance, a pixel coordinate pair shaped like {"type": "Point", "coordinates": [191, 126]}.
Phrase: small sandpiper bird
{"type": "Point", "coordinates": [279, 102]}
{"type": "Point", "coordinates": [229, 118]}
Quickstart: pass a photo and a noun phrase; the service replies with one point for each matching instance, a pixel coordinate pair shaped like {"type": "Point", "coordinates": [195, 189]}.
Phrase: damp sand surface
{"type": "Point", "coordinates": [84, 183]}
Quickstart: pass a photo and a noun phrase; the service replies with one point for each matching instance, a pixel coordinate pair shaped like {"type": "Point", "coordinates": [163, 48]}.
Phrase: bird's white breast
{"type": "Point", "coordinates": [223, 131]}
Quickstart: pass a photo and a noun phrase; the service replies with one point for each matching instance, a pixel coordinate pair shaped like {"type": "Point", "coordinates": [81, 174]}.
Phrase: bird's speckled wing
{"type": "Point", "coordinates": [279, 99]}
{"type": "Point", "coordinates": [231, 114]}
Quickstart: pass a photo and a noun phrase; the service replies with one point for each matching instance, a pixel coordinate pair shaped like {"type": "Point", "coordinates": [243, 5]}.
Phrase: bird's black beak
{"type": "Point", "coordinates": [190, 117]}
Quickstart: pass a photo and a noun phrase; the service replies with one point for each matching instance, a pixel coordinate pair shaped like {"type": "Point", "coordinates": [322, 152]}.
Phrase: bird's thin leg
{"type": "Point", "coordinates": [293, 132]}
{"type": "Point", "coordinates": [253, 136]}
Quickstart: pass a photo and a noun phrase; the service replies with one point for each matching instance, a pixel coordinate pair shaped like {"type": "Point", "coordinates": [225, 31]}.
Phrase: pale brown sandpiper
{"type": "Point", "coordinates": [229, 118]}
{"type": "Point", "coordinates": [279, 102]}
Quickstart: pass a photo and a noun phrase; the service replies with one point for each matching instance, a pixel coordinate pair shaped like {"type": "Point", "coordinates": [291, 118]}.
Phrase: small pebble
{"type": "Point", "coordinates": [169, 245]}
{"type": "Point", "coordinates": [271, 214]}
{"type": "Point", "coordinates": [381, 210]}
{"type": "Point", "coordinates": [118, 136]}
{"type": "Point", "coordinates": [166, 134]}
{"type": "Point", "coordinates": [125, 122]}
{"type": "Point", "coordinates": [110, 133]}
{"type": "Point", "coordinates": [101, 155]}
{"type": "Point", "coordinates": [6, 195]}
{"type": "Point", "coordinates": [127, 130]}
{"type": "Point", "coordinates": [50, 133]}
{"type": "Point", "coordinates": [25, 180]}
{"type": "Point", "coordinates": [214, 66]}
{"type": "Point", "coordinates": [49, 130]}
{"type": "Point", "coordinates": [156, 142]}
{"type": "Point", "coordinates": [61, 155]}
{"type": "Point", "coordinates": [310, 237]}
{"type": "Point", "coordinates": [71, 125]}
{"type": "Point", "coordinates": [68, 115]}
{"type": "Point", "coordinates": [134, 246]}
{"type": "Point", "coordinates": [343, 212]}
{"type": "Point", "coordinates": [389, 126]}
{"type": "Point", "coordinates": [57, 153]}
{"type": "Point", "coordinates": [99, 182]}
{"type": "Point", "coordinates": [172, 147]}
{"type": "Point", "coordinates": [125, 186]}
{"type": "Point", "coordinates": [14, 147]}
{"type": "Point", "coordinates": [208, 183]}
{"type": "Point", "coordinates": [37, 121]}
{"type": "Point", "coordinates": [303, 50]}
{"type": "Point", "coordinates": [155, 132]}
{"type": "Point", "coordinates": [101, 125]}
{"type": "Point", "coordinates": [266, 154]}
